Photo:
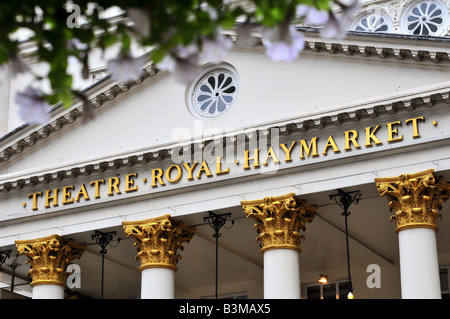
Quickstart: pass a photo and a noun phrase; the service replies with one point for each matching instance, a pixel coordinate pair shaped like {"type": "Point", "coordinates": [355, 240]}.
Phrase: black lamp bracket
{"type": "Point", "coordinates": [344, 200]}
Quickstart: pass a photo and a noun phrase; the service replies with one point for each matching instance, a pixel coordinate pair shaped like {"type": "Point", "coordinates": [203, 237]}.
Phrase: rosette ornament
{"type": "Point", "coordinates": [216, 94]}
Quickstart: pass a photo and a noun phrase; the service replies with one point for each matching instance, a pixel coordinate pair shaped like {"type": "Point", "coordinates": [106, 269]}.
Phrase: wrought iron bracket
{"type": "Point", "coordinates": [344, 200]}
{"type": "Point", "coordinates": [103, 239]}
{"type": "Point", "coordinates": [4, 255]}
{"type": "Point", "coordinates": [217, 222]}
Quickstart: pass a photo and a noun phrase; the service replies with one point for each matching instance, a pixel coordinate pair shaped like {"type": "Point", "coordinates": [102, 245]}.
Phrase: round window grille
{"type": "Point", "coordinates": [374, 22]}
{"type": "Point", "coordinates": [213, 92]}
{"type": "Point", "coordinates": [424, 18]}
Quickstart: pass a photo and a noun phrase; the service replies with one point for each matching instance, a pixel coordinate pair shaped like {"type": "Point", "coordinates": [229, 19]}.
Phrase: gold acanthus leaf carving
{"type": "Point", "coordinates": [158, 240]}
{"type": "Point", "coordinates": [279, 220]}
{"type": "Point", "coordinates": [49, 257]}
{"type": "Point", "coordinates": [416, 198]}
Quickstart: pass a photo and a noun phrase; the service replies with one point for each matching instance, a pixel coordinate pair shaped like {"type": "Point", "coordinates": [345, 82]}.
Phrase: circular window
{"type": "Point", "coordinates": [374, 22]}
{"type": "Point", "coordinates": [424, 18]}
{"type": "Point", "coordinates": [213, 92]}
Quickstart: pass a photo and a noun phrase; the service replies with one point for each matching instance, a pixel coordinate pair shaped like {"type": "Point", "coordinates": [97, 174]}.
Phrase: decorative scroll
{"type": "Point", "coordinates": [158, 240]}
{"type": "Point", "coordinates": [48, 258]}
{"type": "Point", "coordinates": [279, 220]}
{"type": "Point", "coordinates": [415, 198]}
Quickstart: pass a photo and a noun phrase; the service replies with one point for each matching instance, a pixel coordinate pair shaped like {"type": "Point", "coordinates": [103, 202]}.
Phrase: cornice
{"type": "Point", "coordinates": [106, 91]}
{"type": "Point", "coordinates": [382, 45]}
{"type": "Point", "coordinates": [142, 157]}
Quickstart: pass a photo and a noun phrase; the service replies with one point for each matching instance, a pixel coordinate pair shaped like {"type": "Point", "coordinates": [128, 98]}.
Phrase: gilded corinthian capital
{"type": "Point", "coordinates": [415, 198]}
{"type": "Point", "coordinates": [158, 240]}
{"type": "Point", "coordinates": [279, 220]}
{"type": "Point", "coordinates": [48, 258]}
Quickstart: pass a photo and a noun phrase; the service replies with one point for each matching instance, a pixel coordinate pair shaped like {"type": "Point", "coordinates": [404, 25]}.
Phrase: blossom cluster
{"type": "Point", "coordinates": [283, 42]}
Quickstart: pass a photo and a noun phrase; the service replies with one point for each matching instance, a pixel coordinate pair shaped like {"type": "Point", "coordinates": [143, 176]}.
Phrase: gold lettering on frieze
{"type": "Point", "coordinates": [288, 151]}
{"type": "Point", "coordinates": [82, 192]}
{"type": "Point", "coordinates": [255, 159]}
{"type": "Point", "coordinates": [415, 125]}
{"type": "Point", "coordinates": [312, 147]}
{"type": "Point", "coordinates": [219, 169]}
{"type": "Point", "coordinates": [351, 137]}
{"type": "Point", "coordinates": [394, 132]}
{"type": "Point", "coordinates": [49, 197]}
{"type": "Point", "coordinates": [204, 168]}
{"type": "Point", "coordinates": [130, 183]}
{"type": "Point", "coordinates": [370, 136]}
{"type": "Point", "coordinates": [331, 143]}
{"type": "Point", "coordinates": [34, 198]}
{"type": "Point", "coordinates": [97, 184]}
{"type": "Point", "coordinates": [169, 174]}
{"type": "Point", "coordinates": [67, 195]}
{"type": "Point", "coordinates": [259, 158]}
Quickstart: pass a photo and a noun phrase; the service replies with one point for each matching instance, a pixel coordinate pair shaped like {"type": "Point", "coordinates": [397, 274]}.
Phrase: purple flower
{"type": "Point", "coordinates": [183, 69]}
{"type": "Point", "coordinates": [17, 66]}
{"type": "Point", "coordinates": [349, 8]}
{"type": "Point", "coordinates": [215, 49]}
{"type": "Point", "coordinates": [76, 44]}
{"type": "Point", "coordinates": [317, 17]}
{"type": "Point", "coordinates": [283, 43]}
{"type": "Point", "coordinates": [126, 68]}
{"type": "Point", "coordinates": [312, 15]}
{"type": "Point", "coordinates": [33, 108]}
{"type": "Point", "coordinates": [336, 27]}
{"type": "Point", "coordinates": [212, 12]}
{"type": "Point", "coordinates": [186, 69]}
{"type": "Point", "coordinates": [184, 52]}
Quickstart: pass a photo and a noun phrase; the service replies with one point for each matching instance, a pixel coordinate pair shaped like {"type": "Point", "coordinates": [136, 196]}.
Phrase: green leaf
{"type": "Point", "coordinates": [157, 55]}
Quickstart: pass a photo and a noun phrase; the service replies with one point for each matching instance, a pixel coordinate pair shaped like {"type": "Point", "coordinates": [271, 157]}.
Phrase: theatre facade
{"type": "Point", "coordinates": [251, 182]}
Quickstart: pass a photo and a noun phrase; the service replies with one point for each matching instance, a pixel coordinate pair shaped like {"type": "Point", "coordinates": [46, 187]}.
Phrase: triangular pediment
{"type": "Point", "coordinates": [358, 75]}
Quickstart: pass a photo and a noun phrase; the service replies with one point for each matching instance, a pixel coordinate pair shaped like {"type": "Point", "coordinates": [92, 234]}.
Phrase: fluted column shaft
{"type": "Point", "coordinates": [416, 200]}
{"type": "Point", "coordinates": [48, 258]}
{"type": "Point", "coordinates": [157, 242]}
{"type": "Point", "coordinates": [279, 223]}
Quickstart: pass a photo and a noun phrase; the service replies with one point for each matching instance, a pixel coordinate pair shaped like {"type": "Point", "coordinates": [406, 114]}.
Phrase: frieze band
{"type": "Point", "coordinates": [251, 159]}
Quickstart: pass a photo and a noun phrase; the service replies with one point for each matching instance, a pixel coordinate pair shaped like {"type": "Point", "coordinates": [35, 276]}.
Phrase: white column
{"type": "Point", "coordinates": [48, 292]}
{"type": "Point", "coordinates": [419, 268]}
{"type": "Point", "coordinates": [158, 240]}
{"type": "Point", "coordinates": [281, 274]}
{"type": "Point", "coordinates": [280, 222]}
{"type": "Point", "coordinates": [48, 258]}
{"type": "Point", "coordinates": [416, 200]}
{"type": "Point", "coordinates": [158, 283]}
